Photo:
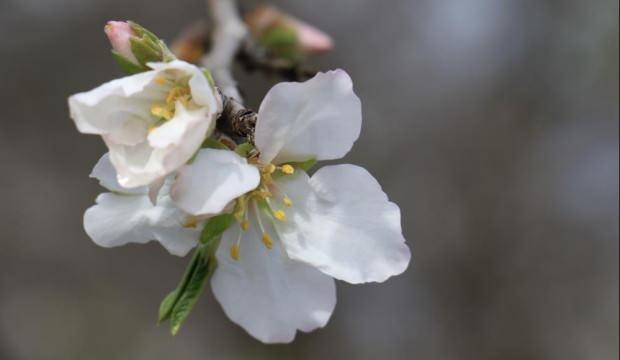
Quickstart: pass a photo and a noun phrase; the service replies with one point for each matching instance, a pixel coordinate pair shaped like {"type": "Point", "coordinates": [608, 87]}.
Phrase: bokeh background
{"type": "Point", "coordinates": [493, 124]}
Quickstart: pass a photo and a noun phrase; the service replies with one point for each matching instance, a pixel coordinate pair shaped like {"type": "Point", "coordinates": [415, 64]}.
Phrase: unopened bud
{"type": "Point", "coordinates": [119, 33]}
{"type": "Point", "coordinates": [284, 35]}
{"type": "Point", "coordinates": [134, 46]}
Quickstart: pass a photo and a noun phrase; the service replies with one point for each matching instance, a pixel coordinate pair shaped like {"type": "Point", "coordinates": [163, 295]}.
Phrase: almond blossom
{"type": "Point", "coordinates": [152, 122]}
{"type": "Point", "coordinates": [296, 233]}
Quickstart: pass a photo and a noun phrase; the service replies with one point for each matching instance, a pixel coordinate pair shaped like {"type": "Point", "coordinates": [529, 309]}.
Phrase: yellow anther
{"type": "Point", "coordinates": [191, 222]}
{"type": "Point", "coordinates": [267, 241]}
{"type": "Point", "coordinates": [280, 215]}
{"type": "Point", "coordinates": [245, 225]}
{"type": "Point", "coordinates": [234, 252]}
{"type": "Point", "coordinates": [269, 169]}
{"type": "Point", "coordinates": [162, 111]}
{"type": "Point", "coordinates": [160, 80]}
{"type": "Point", "coordinates": [287, 201]}
{"type": "Point", "coordinates": [178, 93]}
{"type": "Point", "coordinates": [287, 169]}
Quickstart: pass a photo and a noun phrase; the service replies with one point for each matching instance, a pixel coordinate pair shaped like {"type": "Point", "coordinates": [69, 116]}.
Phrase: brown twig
{"type": "Point", "coordinates": [236, 120]}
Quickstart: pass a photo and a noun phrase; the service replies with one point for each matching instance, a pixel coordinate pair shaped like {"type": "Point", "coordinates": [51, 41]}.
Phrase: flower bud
{"type": "Point", "coordinates": [134, 46]}
{"type": "Point", "coordinates": [119, 33]}
{"type": "Point", "coordinates": [285, 36]}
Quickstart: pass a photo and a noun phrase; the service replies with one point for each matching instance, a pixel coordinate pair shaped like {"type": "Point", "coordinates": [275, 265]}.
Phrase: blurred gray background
{"type": "Point", "coordinates": [493, 124]}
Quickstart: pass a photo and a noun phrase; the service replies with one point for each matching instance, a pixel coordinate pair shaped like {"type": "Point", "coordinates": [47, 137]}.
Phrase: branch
{"type": "Point", "coordinates": [236, 121]}
{"type": "Point", "coordinates": [228, 32]}
{"type": "Point", "coordinates": [230, 39]}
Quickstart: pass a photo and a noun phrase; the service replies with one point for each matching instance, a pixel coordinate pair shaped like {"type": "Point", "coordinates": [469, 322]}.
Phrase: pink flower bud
{"type": "Point", "coordinates": [266, 18]}
{"type": "Point", "coordinates": [119, 33]}
{"type": "Point", "coordinates": [313, 40]}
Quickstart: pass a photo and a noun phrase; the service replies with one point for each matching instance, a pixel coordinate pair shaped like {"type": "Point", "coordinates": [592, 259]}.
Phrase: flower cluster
{"type": "Point", "coordinates": [270, 237]}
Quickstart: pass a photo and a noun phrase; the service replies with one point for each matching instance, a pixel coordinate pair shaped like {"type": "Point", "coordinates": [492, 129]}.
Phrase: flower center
{"type": "Point", "coordinates": [178, 91]}
{"type": "Point", "coordinates": [266, 202]}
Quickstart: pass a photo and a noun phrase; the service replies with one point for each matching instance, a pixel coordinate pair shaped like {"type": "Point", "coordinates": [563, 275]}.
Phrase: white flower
{"type": "Point", "coordinates": [152, 122]}
{"type": "Point", "coordinates": [296, 233]}
{"type": "Point", "coordinates": [128, 216]}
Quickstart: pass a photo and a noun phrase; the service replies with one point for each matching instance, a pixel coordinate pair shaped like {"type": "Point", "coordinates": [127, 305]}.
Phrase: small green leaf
{"type": "Point", "coordinates": [283, 42]}
{"type": "Point", "coordinates": [144, 52]}
{"type": "Point", "coordinates": [195, 286]}
{"type": "Point", "coordinates": [279, 37]}
{"type": "Point", "coordinates": [141, 31]}
{"type": "Point", "coordinates": [165, 308]}
{"type": "Point", "coordinates": [211, 143]}
{"type": "Point", "coordinates": [177, 305]}
{"type": "Point", "coordinates": [215, 227]}
{"type": "Point", "coordinates": [127, 65]}
{"type": "Point", "coordinates": [304, 165]}
{"type": "Point", "coordinates": [169, 302]}
{"type": "Point", "coordinates": [244, 149]}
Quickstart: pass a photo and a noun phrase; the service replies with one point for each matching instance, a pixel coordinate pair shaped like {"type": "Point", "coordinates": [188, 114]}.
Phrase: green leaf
{"type": "Point", "coordinates": [244, 149]}
{"type": "Point", "coordinates": [144, 51]}
{"type": "Point", "coordinates": [304, 165]}
{"type": "Point", "coordinates": [283, 42]}
{"type": "Point", "coordinates": [279, 37]}
{"type": "Point", "coordinates": [194, 288]}
{"type": "Point", "coordinates": [169, 302]}
{"type": "Point", "coordinates": [211, 143]}
{"type": "Point", "coordinates": [215, 227]}
{"type": "Point", "coordinates": [141, 31]}
{"type": "Point", "coordinates": [165, 308]}
{"type": "Point", "coordinates": [127, 65]}
{"type": "Point", "coordinates": [177, 305]}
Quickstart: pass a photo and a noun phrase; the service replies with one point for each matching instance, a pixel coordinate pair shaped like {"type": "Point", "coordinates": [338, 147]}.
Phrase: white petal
{"type": "Point", "coordinates": [343, 223]}
{"type": "Point", "coordinates": [212, 180]}
{"type": "Point", "coordinates": [177, 129]}
{"type": "Point", "coordinates": [120, 112]}
{"type": "Point", "coordinates": [137, 165]}
{"type": "Point", "coordinates": [154, 188]}
{"type": "Point", "coordinates": [112, 105]}
{"type": "Point", "coordinates": [202, 92]}
{"type": "Point", "coordinates": [106, 174]}
{"type": "Point", "coordinates": [320, 118]}
{"type": "Point", "coordinates": [268, 294]}
{"type": "Point", "coordinates": [178, 241]}
{"type": "Point", "coordinates": [118, 220]}
{"type": "Point", "coordinates": [121, 219]}
{"type": "Point", "coordinates": [142, 164]}
{"type": "Point", "coordinates": [167, 225]}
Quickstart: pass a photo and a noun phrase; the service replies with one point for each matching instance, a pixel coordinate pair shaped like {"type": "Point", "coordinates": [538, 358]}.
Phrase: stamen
{"type": "Point", "coordinates": [235, 249]}
{"type": "Point", "coordinates": [263, 194]}
{"type": "Point", "coordinates": [245, 225]}
{"type": "Point", "coordinates": [287, 169]}
{"type": "Point", "coordinates": [178, 93]}
{"type": "Point", "coordinates": [160, 80]}
{"type": "Point", "coordinates": [162, 111]}
{"type": "Point", "coordinates": [191, 222]}
{"type": "Point", "coordinates": [269, 169]}
{"type": "Point", "coordinates": [280, 215]}
{"type": "Point", "coordinates": [234, 252]}
{"type": "Point", "coordinates": [287, 201]}
{"type": "Point", "coordinates": [267, 241]}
